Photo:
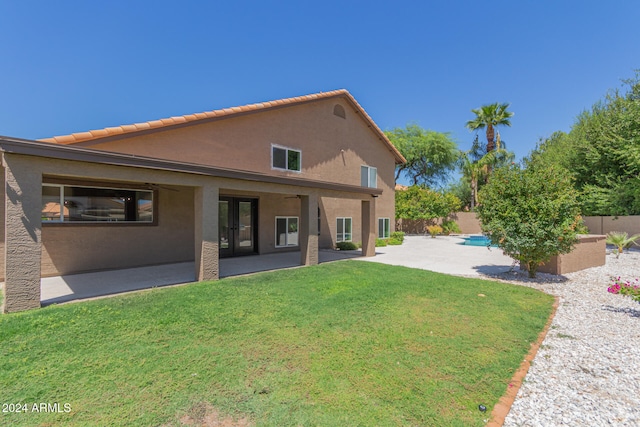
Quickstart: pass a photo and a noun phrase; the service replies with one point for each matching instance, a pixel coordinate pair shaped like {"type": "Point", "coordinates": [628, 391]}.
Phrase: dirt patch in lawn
{"type": "Point", "coordinates": [204, 415]}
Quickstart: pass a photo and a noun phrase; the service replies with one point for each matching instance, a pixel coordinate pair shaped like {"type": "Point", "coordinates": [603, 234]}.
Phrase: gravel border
{"type": "Point", "coordinates": [587, 370]}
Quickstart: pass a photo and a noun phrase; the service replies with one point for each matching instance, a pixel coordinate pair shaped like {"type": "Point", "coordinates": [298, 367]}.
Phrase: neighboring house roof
{"type": "Point", "coordinates": [400, 187]}
{"type": "Point", "coordinates": [163, 124]}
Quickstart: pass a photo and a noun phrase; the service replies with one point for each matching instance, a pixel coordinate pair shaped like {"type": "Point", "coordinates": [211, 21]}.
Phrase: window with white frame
{"type": "Point", "coordinates": [384, 228]}
{"type": "Point", "coordinates": [286, 231]}
{"type": "Point", "coordinates": [286, 158]}
{"type": "Point", "coordinates": [369, 176]}
{"type": "Point", "coordinates": [343, 230]}
{"type": "Point", "coordinates": [75, 203]}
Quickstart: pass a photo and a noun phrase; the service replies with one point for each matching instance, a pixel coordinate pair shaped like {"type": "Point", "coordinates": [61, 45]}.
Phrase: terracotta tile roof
{"type": "Point", "coordinates": [79, 137]}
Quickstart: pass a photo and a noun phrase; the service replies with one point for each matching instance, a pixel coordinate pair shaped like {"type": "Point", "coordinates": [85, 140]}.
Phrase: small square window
{"type": "Point", "coordinates": [286, 158]}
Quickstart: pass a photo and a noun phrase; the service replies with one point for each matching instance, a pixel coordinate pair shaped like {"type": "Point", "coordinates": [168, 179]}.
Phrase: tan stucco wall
{"type": "Point", "coordinates": [75, 248]}
{"type": "Point", "coordinates": [333, 149]}
{"type": "Point", "coordinates": [2, 223]}
{"type": "Point", "coordinates": [468, 222]}
{"type": "Point", "coordinates": [22, 235]}
{"type": "Point", "coordinates": [71, 248]}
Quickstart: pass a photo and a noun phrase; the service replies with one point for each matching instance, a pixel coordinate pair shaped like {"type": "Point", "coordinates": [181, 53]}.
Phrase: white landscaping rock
{"type": "Point", "coordinates": [587, 371]}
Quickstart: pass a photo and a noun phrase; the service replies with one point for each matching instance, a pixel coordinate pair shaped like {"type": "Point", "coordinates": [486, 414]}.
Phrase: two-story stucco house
{"type": "Point", "coordinates": [295, 174]}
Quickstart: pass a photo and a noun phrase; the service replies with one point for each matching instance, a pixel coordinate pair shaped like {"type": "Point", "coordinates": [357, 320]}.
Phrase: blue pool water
{"type": "Point", "coordinates": [476, 241]}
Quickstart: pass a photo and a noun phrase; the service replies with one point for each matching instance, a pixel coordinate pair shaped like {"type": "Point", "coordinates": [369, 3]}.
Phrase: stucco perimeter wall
{"type": "Point", "coordinates": [589, 252]}
{"type": "Point", "coordinates": [467, 221]}
{"type": "Point", "coordinates": [72, 248]}
{"type": "Point", "coordinates": [606, 224]}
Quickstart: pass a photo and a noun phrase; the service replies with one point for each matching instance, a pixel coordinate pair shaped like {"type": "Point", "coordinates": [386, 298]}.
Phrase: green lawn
{"type": "Point", "coordinates": [341, 344]}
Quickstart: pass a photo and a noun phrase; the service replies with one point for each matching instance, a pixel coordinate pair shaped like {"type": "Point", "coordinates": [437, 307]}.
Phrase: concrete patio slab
{"type": "Point", "coordinates": [444, 254]}
{"type": "Point", "coordinates": [59, 289]}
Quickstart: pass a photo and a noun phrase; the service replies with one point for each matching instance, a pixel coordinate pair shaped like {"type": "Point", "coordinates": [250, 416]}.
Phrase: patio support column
{"type": "Point", "coordinates": [368, 227]}
{"type": "Point", "coordinates": [308, 230]}
{"type": "Point", "coordinates": [23, 234]}
{"type": "Point", "coordinates": [206, 233]}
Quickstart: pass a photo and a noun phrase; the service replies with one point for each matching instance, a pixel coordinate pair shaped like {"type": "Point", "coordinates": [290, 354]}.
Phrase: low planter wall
{"type": "Point", "coordinates": [590, 251]}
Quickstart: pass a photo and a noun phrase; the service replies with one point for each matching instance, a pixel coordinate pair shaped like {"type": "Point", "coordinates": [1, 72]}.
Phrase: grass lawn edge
{"type": "Point", "coordinates": [502, 408]}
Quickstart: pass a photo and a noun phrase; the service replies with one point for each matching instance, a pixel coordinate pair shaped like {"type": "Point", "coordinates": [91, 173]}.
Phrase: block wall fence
{"type": "Point", "coordinates": [469, 224]}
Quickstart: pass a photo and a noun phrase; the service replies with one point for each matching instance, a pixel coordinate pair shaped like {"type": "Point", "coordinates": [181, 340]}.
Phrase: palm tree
{"type": "Point", "coordinates": [472, 171]}
{"type": "Point", "coordinates": [621, 241]}
{"type": "Point", "coordinates": [475, 170]}
{"type": "Point", "coordinates": [490, 116]}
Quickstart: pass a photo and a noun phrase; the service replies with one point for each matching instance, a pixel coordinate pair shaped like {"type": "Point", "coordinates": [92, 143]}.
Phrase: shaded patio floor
{"type": "Point", "coordinates": [59, 289]}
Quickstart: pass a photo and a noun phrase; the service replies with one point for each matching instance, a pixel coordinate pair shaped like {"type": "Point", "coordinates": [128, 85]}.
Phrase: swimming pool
{"type": "Point", "coordinates": [477, 241]}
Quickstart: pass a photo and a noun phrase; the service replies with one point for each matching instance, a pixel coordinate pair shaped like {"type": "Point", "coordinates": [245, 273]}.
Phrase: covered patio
{"type": "Point", "coordinates": [184, 230]}
{"type": "Point", "coordinates": [75, 287]}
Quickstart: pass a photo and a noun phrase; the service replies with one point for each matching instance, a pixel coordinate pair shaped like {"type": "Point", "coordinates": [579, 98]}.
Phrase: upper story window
{"type": "Point", "coordinates": [286, 158]}
{"type": "Point", "coordinates": [369, 176]}
{"type": "Point", "coordinates": [70, 203]}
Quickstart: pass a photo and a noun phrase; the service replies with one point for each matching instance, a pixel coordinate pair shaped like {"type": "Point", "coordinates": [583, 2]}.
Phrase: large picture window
{"type": "Point", "coordinates": [343, 230]}
{"type": "Point", "coordinates": [286, 158]}
{"type": "Point", "coordinates": [384, 228]}
{"type": "Point", "coordinates": [74, 204]}
{"type": "Point", "coordinates": [286, 231]}
{"type": "Point", "coordinates": [369, 176]}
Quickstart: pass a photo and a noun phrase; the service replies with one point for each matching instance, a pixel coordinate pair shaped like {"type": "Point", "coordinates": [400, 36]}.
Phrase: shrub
{"type": "Point", "coordinates": [433, 230]}
{"type": "Point", "coordinates": [397, 235]}
{"type": "Point", "coordinates": [346, 246]}
{"type": "Point", "coordinates": [532, 214]}
{"type": "Point", "coordinates": [381, 242]}
{"type": "Point", "coordinates": [422, 203]}
{"type": "Point", "coordinates": [449, 226]}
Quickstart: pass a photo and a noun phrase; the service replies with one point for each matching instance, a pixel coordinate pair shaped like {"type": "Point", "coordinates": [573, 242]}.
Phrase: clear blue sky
{"type": "Point", "coordinates": [71, 66]}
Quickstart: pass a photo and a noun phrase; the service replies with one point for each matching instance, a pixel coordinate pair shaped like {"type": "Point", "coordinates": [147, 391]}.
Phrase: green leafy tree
{"type": "Point", "coordinates": [488, 117]}
{"type": "Point", "coordinates": [602, 152]}
{"type": "Point", "coordinates": [531, 213]}
{"type": "Point", "coordinates": [418, 202]}
{"type": "Point", "coordinates": [431, 156]}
